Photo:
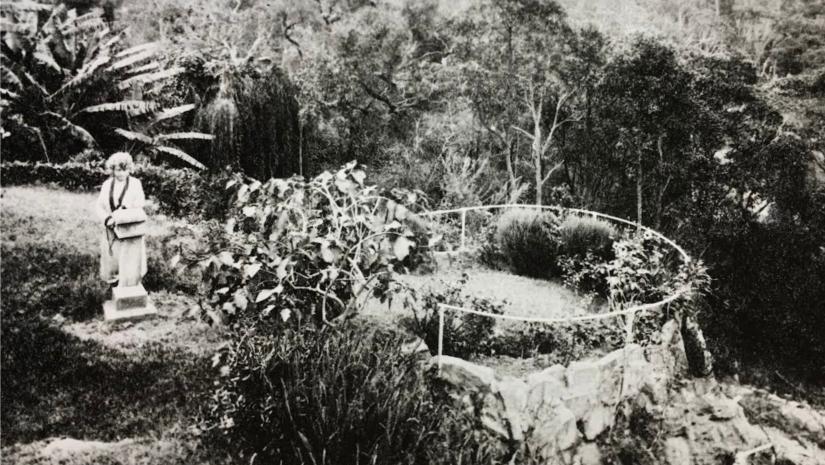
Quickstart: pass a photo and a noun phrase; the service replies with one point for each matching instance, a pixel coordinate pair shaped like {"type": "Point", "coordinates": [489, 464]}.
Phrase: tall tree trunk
{"type": "Point", "coordinates": [639, 188]}
{"type": "Point", "coordinates": [300, 148]}
{"type": "Point", "coordinates": [536, 149]}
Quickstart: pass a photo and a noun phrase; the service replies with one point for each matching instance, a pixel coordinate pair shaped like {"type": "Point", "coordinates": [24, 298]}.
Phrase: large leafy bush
{"type": "Point", "coordinates": [69, 85]}
{"type": "Point", "coordinates": [529, 240]}
{"type": "Point", "coordinates": [310, 249]}
{"type": "Point", "coordinates": [582, 234]}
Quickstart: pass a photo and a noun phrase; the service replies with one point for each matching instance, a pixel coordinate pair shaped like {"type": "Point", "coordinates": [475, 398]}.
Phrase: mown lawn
{"type": "Point", "coordinates": [66, 373]}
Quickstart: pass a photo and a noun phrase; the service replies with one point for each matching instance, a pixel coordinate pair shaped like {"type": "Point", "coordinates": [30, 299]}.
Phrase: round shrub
{"type": "Point", "coordinates": [582, 234]}
{"type": "Point", "coordinates": [334, 395]}
{"type": "Point", "coordinates": [529, 240]}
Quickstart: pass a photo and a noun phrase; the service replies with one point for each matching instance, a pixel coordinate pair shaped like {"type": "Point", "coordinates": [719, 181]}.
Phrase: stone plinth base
{"type": "Point", "coordinates": [130, 302]}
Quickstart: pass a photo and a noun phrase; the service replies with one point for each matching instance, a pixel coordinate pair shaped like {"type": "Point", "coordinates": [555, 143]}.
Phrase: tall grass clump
{"type": "Point", "coordinates": [582, 234]}
{"type": "Point", "coordinates": [334, 395]}
{"type": "Point", "coordinates": [529, 240]}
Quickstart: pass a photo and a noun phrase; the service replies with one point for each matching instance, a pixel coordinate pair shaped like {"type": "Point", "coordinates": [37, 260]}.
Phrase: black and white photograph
{"type": "Point", "coordinates": [412, 232]}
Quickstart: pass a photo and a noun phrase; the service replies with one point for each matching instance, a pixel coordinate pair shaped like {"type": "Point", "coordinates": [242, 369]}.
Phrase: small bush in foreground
{"type": "Point", "coordinates": [580, 235]}
{"type": "Point", "coordinates": [530, 242]}
{"type": "Point", "coordinates": [465, 334]}
{"type": "Point", "coordinates": [335, 395]}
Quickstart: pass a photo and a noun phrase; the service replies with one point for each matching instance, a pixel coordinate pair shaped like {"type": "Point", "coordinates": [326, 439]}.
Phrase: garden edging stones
{"type": "Point", "coordinates": [562, 414]}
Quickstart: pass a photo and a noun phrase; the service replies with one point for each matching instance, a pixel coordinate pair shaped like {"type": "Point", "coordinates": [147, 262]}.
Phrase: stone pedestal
{"type": "Point", "coordinates": [128, 302]}
{"type": "Point", "coordinates": [129, 299]}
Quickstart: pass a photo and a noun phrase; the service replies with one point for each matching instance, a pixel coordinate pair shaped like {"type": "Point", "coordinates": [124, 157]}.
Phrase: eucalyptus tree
{"type": "Point", "coordinates": [513, 60]}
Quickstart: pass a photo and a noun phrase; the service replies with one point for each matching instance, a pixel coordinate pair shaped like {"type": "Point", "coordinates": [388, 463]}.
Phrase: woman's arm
{"type": "Point", "coordinates": [102, 204]}
{"type": "Point", "coordinates": [137, 199]}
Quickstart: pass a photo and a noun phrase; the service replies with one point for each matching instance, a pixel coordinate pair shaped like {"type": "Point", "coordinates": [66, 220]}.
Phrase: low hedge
{"type": "Point", "coordinates": [179, 192]}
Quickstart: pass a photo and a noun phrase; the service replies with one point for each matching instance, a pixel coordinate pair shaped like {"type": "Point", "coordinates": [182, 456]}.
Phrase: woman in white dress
{"type": "Point", "coordinates": [120, 190]}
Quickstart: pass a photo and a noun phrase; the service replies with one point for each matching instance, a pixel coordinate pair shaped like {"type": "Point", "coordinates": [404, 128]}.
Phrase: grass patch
{"type": "Point", "coordinates": [54, 384]}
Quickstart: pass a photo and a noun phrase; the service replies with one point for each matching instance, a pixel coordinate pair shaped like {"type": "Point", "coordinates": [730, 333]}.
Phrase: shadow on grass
{"type": "Point", "coordinates": [54, 384]}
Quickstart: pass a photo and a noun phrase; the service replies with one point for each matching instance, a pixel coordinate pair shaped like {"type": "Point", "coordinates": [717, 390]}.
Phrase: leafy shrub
{"type": "Point", "coordinates": [313, 248]}
{"type": "Point", "coordinates": [179, 192]}
{"type": "Point", "coordinates": [582, 234]}
{"type": "Point", "coordinates": [585, 274]}
{"type": "Point", "coordinates": [465, 334]}
{"type": "Point", "coordinates": [345, 395]}
{"type": "Point", "coordinates": [489, 254]}
{"type": "Point", "coordinates": [560, 343]}
{"type": "Point", "coordinates": [529, 240]}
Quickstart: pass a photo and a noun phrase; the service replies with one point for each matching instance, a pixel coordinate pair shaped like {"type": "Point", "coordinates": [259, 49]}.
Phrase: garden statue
{"type": "Point", "coordinates": [122, 245]}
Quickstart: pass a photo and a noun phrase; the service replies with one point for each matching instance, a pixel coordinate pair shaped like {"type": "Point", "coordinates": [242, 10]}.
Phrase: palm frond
{"type": "Point", "coordinates": [85, 73]}
{"type": "Point", "coordinates": [7, 76]}
{"type": "Point", "coordinates": [147, 67]}
{"type": "Point", "coordinates": [134, 136]}
{"type": "Point", "coordinates": [74, 129]}
{"type": "Point", "coordinates": [111, 42]}
{"type": "Point", "coordinates": [185, 136]}
{"type": "Point", "coordinates": [173, 112]}
{"type": "Point", "coordinates": [35, 83]}
{"type": "Point", "coordinates": [91, 21]}
{"type": "Point", "coordinates": [130, 107]}
{"type": "Point", "coordinates": [43, 54]}
{"type": "Point", "coordinates": [12, 26]}
{"type": "Point", "coordinates": [24, 6]}
{"type": "Point", "coordinates": [10, 94]}
{"type": "Point", "coordinates": [181, 155]}
{"type": "Point", "coordinates": [150, 77]}
{"type": "Point", "coordinates": [155, 46]}
{"type": "Point", "coordinates": [131, 59]}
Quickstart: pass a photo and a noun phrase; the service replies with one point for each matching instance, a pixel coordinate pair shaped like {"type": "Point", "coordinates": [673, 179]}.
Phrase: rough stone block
{"type": "Point", "coordinates": [465, 375]}
{"type": "Point", "coordinates": [555, 429]}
